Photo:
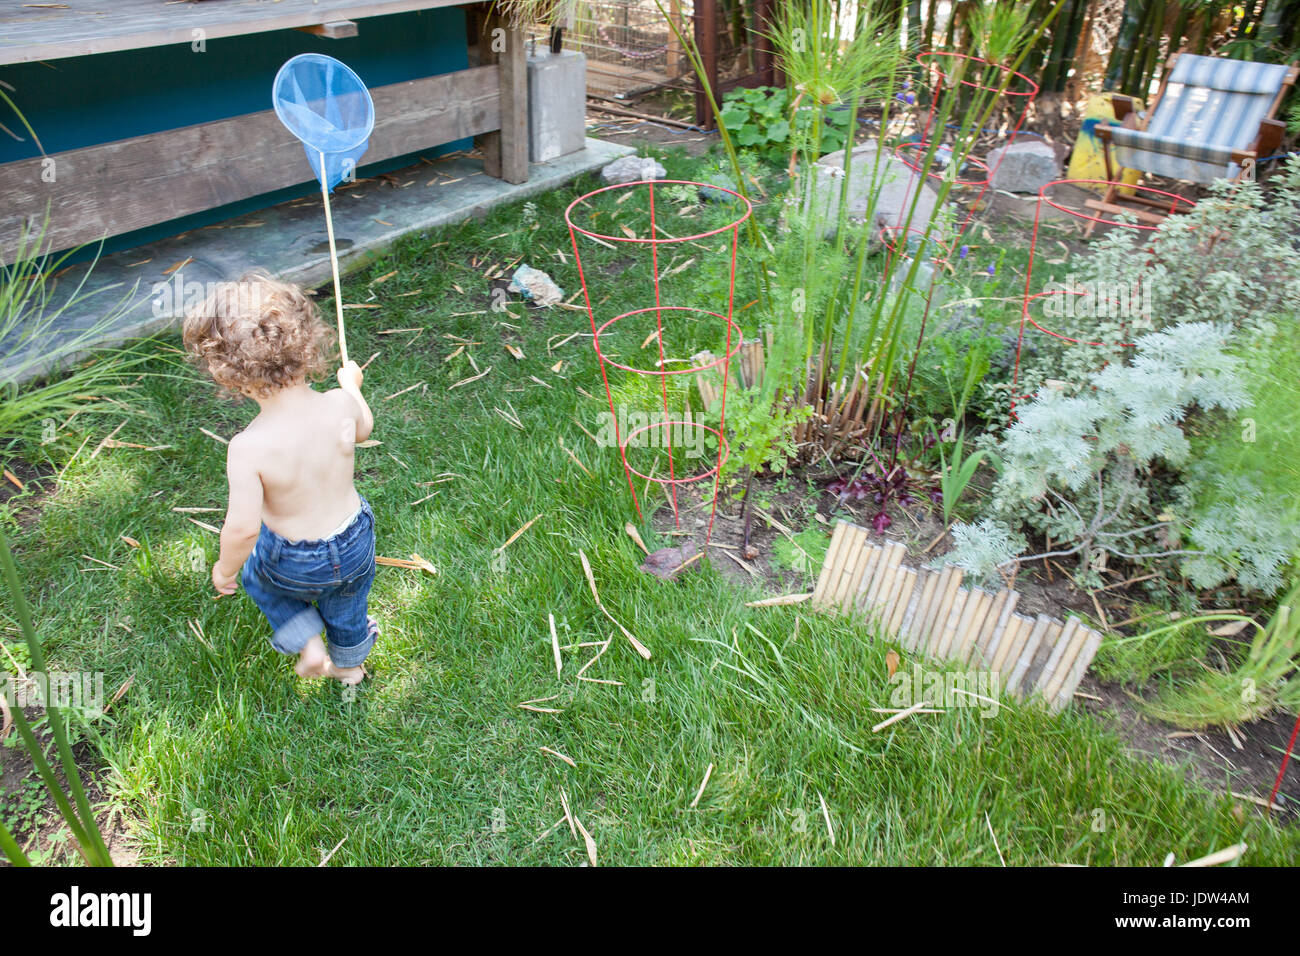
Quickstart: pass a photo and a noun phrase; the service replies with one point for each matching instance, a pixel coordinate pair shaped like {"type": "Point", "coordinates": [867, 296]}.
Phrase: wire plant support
{"type": "Point", "coordinates": [1046, 197]}
{"type": "Point", "coordinates": [950, 76]}
{"type": "Point", "coordinates": [659, 244]}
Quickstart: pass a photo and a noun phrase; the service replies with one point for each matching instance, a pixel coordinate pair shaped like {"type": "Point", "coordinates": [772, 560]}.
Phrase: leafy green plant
{"type": "Point", "coordinates": [803, 552]}
{"type": "Point", "coordinates": [1241, 498]}
{"type": "Point", "coordinates": [1077, 468]}
{"type": "Point", "coordinates": [762, 433]}
{"type": "Point", "coordinates": [955, 473]}
{"type": "Point", "coordinates": [1176, 650]}
{"type": "Point", "coordinates": [763, 120]}
{"type": "Point", "coordinates": [35, 349]}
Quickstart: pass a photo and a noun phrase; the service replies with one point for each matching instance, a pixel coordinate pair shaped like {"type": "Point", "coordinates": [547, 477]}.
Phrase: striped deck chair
{"type": "Point", "coordinates": [1212, 118]}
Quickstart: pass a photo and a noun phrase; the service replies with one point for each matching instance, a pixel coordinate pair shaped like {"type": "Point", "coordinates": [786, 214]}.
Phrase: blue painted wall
{"type": "Point", "coordinates": [82, 101]}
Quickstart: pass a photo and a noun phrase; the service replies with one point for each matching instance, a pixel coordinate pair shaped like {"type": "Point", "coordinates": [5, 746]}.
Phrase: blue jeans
{"type": "Point", "coordinates": [306, 587]}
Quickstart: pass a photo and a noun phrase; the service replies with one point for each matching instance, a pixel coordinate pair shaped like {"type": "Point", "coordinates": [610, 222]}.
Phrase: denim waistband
{"type": "Point", "coordinates": [276, 544]}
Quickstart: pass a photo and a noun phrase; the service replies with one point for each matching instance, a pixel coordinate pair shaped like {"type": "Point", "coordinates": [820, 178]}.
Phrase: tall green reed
{"type": "Point", "coordinates": [80, 819]}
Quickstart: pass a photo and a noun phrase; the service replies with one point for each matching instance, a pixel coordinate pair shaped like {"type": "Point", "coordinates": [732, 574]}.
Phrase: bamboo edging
{"type": "Point", "coordinates": [929, 612]}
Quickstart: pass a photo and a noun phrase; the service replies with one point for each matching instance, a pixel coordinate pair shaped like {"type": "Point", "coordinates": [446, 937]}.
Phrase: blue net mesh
{"type": "Point", "coordinates": [325, 104]}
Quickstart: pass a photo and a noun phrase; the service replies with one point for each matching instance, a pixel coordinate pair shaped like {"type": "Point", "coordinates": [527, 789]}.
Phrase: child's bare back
{"type": "Point", "coordinates": [302, 449]}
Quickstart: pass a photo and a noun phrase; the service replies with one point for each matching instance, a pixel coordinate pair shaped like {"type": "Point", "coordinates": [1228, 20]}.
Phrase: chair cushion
{"type": "Point", "coordinates": [1237, 76]}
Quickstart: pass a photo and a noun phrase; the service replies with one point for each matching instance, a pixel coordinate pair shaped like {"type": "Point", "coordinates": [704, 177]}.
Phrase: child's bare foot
{"type": "Point", "coordinates": [313, 661]}
{"type": "Point", "coordinates": [349, 676]}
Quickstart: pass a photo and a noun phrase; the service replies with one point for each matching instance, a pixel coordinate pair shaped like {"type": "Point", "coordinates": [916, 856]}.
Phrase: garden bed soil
{"type": "Point", "coordinates": [48, 836]}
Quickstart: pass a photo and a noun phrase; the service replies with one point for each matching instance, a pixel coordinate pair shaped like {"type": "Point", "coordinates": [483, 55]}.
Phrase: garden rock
{"type": "Point", "coordinates": [1025, 166]}
{"type": "Point", "coordinates": [666, 562]}
{"type": "Point", "coordinates": [632, 169]}
{"type": "Point", "coordinates": [895, 180]}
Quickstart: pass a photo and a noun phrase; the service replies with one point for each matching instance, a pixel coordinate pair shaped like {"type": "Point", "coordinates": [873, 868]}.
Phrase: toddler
{"type": "Point", "coordinates": [295, 523]}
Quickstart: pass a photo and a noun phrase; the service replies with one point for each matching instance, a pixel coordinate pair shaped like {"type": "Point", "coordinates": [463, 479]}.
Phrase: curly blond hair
{"type": "Point", "coordinates": [258, 335]}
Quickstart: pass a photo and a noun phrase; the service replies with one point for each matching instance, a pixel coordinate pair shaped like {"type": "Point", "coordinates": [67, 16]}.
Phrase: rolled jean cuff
{"type": "Point", "coordinates": [354, 655]}
{"type": "Point", "coordinates": [292, 636]}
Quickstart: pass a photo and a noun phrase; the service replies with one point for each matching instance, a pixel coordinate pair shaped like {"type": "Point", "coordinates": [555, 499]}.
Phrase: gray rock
{"type": "Point", "coordinates": [715, 192]}
{"type": "Point", "coordinates": [632, 169]}
{"type": "Point", "coordinates": [1025, 166]}
{"type": "Point", "coordinates": [895, 180]}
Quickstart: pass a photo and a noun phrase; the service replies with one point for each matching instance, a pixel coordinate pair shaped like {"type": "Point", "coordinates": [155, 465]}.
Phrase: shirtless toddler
{"type": "Point", "coordinates": [295, 523]}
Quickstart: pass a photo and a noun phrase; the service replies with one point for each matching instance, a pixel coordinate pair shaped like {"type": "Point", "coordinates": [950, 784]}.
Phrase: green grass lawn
{"type": "Point", "coordinates": [224, 757]}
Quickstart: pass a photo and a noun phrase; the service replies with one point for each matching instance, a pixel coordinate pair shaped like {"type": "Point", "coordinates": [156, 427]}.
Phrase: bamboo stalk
{"type": "Point", "coordinates": [1027, 653]}
{"type": "Point", "coordinates": [999, 641]}
{"type": "Point", "coordinates": [884, 580]}
{"type": "Point", "coordinates": [927, 614]}
{"type": "Point", "coordinates": [1088, 650]}
{"type": "Point", "coordinates": [1013, 636]}
{"type": "Point", "coordinates": [1047, 682]}
{"type": "Point", "coordinates": [978, 651]}
{"type": "Point", "coordinates": [947, 598]}
{"type": "Point", "coordinates": [972, 623]}
{"type": "Point", "coordinates": [863, 566]}
{"type": "Point", "coordinates": [901, 600]}
{"type": "Point", "coordinates": [952, 619]}
{"type": "Point", "coordinates": [913, 618]}
{"type": "Point", "coordinates": [1029, 684]}
{"type": "Point", "coordinates": [853, 552]}
{"type": "Point", "coordinates": [830, 567]}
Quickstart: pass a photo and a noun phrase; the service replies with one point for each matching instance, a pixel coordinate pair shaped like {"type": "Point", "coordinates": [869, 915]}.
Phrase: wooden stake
{"type": "Point", "coordinates": [1013, 637]}
{"type": "Point", "coordinates": [831, 564]}
{"type": "Point", "coordinates": [862, 570]}
{"type": "Point", "coordinates": [901, 600]}
{"type": "Point", "coordinates": [883, 581]}
{"type": "Point", "coordinates": [968, 628]}
{"type": "Point", "coordinates": [977, 653]}
{"type": "Point", "coordinates": [997, 642]}
{"type": "Point", "coordinates": [927, 581]}
{"type": "Point", "coordinates": [946, 597]}
{"type": "Point", "coordinates": [952, 621]}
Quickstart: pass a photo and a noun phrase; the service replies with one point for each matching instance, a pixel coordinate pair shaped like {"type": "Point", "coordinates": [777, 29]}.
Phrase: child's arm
{"type": "Point", "coordinates": [350, 377]}
{"type": "Point", "coordinates": [243, 517]}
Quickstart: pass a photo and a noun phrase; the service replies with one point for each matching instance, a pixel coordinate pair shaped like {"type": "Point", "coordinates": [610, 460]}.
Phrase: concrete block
{"type": "Point", "coordinates": [557, 104]}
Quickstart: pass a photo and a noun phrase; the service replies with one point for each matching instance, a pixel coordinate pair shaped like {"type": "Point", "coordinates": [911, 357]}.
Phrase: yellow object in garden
{"type": "Point", "coordinates": [1087, 161]}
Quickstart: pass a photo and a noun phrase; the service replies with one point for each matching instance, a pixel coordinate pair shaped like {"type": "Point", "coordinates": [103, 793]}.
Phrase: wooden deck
{"type": "Point", "coordinates": [118, 187]}
{"type": "Point", "coordinates": [31, 31]}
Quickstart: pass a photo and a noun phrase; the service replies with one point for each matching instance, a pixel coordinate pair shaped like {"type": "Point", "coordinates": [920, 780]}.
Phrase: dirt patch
{"type": "Point", "coordinates": [648, 132]}
{"type": "Point", "coordinates": [1245, 766]}
{"type": "Point", "coordinates": [30, 811]}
